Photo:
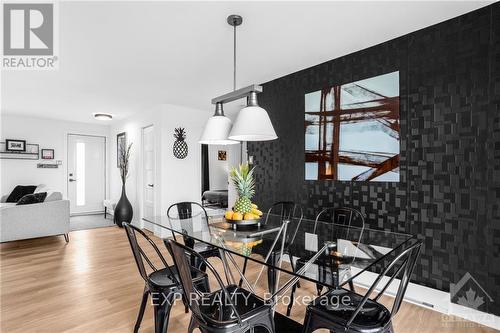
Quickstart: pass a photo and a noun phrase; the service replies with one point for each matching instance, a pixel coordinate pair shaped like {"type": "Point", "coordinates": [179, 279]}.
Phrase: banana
{"type": "Point", "coordinates": [256, 212]}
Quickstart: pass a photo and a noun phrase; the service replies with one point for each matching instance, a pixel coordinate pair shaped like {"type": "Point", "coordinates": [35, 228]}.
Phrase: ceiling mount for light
{"type": "Point", "coordinates": [252, 122]}
{"type": "Point", "coordinates": [103, 116]}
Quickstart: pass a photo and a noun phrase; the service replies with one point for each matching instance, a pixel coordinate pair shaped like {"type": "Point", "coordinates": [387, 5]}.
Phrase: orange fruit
{"type": "Point", "coordinates": [237, 216]}
{"type": "Point", "coordinates": [229, 215]}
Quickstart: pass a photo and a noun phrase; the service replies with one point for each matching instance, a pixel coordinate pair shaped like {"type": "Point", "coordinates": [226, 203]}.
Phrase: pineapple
{"type": "Point", "coordinates": [244, 183]}
{"type": "Point", "coordinates": [180, 146]}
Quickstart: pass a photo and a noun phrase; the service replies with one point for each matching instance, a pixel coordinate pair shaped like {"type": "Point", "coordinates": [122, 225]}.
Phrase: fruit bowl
{"type": "Point", "coordinates": [244, 222]}
{"type": "Point", "coordinates": [252, 217]}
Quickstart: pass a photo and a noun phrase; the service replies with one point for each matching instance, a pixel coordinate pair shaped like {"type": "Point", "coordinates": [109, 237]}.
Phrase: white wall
{"type": "Point", "coordinates": [49, 134]}
{"type": "Point", "coordinates": [175, 180]}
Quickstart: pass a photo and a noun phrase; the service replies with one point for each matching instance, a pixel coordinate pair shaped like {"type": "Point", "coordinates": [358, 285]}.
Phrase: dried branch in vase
{"type": "Point", "coordinates": [124, 158]}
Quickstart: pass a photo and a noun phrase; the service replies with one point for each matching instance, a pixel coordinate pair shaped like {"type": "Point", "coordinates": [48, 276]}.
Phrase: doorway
{"type": "Point", "coordinates": [216, 162]}
{"type": "Point", "coordinates": [86, 173]}
{"type": "Point", "coordinates": [148, 167]}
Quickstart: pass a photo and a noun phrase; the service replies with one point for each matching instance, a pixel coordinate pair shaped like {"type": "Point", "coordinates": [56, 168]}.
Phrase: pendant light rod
{"type": "Point", "coordinates": [234, 58]}
{"type": "Point", "coordinates": [234, 21]}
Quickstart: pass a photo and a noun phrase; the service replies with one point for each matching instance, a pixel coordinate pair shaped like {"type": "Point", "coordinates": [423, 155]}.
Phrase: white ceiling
{"type": "Point", "coordinates": [124, 57]}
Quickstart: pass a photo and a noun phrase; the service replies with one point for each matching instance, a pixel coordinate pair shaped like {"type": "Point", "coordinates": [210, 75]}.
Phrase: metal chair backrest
{"type": "Point", "coordinates": [288, 211]}
{"type": "Point", "coordinates": [193, 295]}
{"type": "Point", "coordinates": [139, 254]}
{"type": "Point", "coordinates": [350, 218]}
{"type": "Point", "coordinates": [346, 216]}
{"type": "Point", "coordinates": [403, 264]}
{"type": "Point", "coordinates": [184, 211]}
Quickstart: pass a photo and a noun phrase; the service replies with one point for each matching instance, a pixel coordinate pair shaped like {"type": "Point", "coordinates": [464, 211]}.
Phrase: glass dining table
{"type": "Point", "coordinates": [327, 254]}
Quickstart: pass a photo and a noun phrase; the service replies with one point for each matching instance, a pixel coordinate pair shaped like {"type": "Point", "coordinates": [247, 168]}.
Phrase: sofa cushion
{"type": "Point", "coordinates": [32, 198]}
{"type": "Point", "coordinates": [41, 188]}
{"type": "Point", "coordinates": [20, 191]}
{"type": "Point", "coordinates": [53, 196]}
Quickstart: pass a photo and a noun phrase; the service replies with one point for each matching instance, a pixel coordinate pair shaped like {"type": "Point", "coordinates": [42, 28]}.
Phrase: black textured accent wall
{"type": "Point", "coordinates": [449, 192]}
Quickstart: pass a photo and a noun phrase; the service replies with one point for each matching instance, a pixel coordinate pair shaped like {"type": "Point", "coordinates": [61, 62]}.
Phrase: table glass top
{"type": "Point", "coordinates": [329, 254]}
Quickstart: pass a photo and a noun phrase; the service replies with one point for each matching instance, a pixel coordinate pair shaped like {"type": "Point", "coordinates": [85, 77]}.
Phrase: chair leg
{"type": "Point", "coordinates": [192, 325]}
{"type": "Point", "coordinates": [243, 272]}
{"type": "Point", "coordinates": [308, 324]}
{"type": "Point", "coordinates": [319, 289]}
{"type": "Point", "coordinates": [142, 308]}
{"type": "Point", "coordinates": [66, 238]}
{"type": "Point", "coordinates": [162, 313]}
{"type": "Point", "coordinates": [293, 267]}
{"type": "Point", "coordinates": [351, 285]}
{"type": "Point", "coordinates": [292, 295]}
{"type": "Point", "coordinates": [271, 276]}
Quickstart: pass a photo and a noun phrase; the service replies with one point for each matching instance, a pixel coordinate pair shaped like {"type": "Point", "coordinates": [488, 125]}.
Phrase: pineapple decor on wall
{"type": "Point", "coordinates": [180, 146]}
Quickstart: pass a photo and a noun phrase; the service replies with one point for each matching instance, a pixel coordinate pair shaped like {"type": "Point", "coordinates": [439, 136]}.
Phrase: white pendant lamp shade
{"type": "Point", "coordinates": [217, 129]}
{"type": "Point", "coordinates": [253, 124]}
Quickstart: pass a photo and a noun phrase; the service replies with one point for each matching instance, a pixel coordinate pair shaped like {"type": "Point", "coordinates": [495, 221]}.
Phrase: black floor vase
{"type": "Point", "coordinates": [123, 210]}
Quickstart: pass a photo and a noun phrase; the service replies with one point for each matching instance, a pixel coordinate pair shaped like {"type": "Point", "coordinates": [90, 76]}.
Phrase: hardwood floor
{"type": "Point", "coordinates": [92, 285]}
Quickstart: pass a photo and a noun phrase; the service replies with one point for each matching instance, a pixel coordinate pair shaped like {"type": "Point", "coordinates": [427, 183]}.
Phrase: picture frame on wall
{"type": "Point", "coordinates": [221, 155]}
{"type": "Point", "coordinates": [121, 143]}
{"type": "Point", "coordinates": [15, 145]}
{"type": "Point", "coordinates": [47, 154]}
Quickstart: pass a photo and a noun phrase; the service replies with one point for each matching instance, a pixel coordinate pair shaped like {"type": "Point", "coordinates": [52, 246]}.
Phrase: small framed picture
{"type": "Point", "coordinates": [222, 155]}
{"type": "Point", "coordinates": [47, 154]}
{"type": "Point", "coordinates": [15, 145]}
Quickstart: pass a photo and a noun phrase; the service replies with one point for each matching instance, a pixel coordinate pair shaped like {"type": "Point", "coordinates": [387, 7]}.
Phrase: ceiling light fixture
{"type": "Point", "coordinates": [103, 116]}
{"type": "Point", "coordinates": [252, 122]}
{"type": "Point", "coordinates": [217, 129]}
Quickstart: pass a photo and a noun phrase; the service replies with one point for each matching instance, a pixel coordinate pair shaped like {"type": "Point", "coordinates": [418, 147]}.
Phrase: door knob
{"type": "Point", "coordinates": [72, 180]}
{"type": "Point", "coordinates": [151, 185]}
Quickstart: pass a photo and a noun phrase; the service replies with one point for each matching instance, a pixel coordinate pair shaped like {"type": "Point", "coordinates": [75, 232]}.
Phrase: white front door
{"type": "Point", "coordinates": [148, 165]}
{"type": "Point", "coordinates": [86, 173]}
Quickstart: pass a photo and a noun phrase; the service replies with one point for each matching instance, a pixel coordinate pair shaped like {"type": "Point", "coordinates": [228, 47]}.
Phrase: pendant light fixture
{"type": "Point", "coordinates": [217, 129]}
{"type": "Point", "coordinates": [252, 122]}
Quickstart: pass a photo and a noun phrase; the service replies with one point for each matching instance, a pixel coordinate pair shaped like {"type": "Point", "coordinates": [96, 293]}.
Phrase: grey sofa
{"type": "Point", "coordinates": [48, 218]}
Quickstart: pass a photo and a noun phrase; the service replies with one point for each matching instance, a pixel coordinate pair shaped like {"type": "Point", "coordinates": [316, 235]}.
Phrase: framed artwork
{"type": "Point", "coordinates": [221, 155]}
{"type": "Point", "coordinates": [15, 145]}
{"type": "Point", "coordinates": [121, 143]}
{"type": "Point", "coordinates": [47, 154]}
{"type": "Point", "coordinates": [352, 131]}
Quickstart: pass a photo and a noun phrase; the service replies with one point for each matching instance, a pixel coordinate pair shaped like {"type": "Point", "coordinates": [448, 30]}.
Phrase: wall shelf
{"type": "Point", "coordinates": [32, 152]}
{"type": "Point", "coordinates": [47, 166]}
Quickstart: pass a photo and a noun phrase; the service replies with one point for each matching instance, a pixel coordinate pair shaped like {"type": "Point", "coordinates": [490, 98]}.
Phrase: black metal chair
{"type": "Point", "coordinates": [345, 216]}
{"type": "Point", "coordinates": [161, 283]}
{"type": "Point", "coordinates": [183, 212]}
{"type": "Point", "coordinates": [341, 310]}
{"type": "Point", "coordinates": [229, 309]}
{"type": "Point", "coordinates": [288, 211]}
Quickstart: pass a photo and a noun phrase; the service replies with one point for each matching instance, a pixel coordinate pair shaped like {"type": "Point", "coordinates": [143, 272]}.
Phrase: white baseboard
{"type": "Point", "coordinates": [430, 298]}
{"type": "Point", "coordinates": [94, 212]}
